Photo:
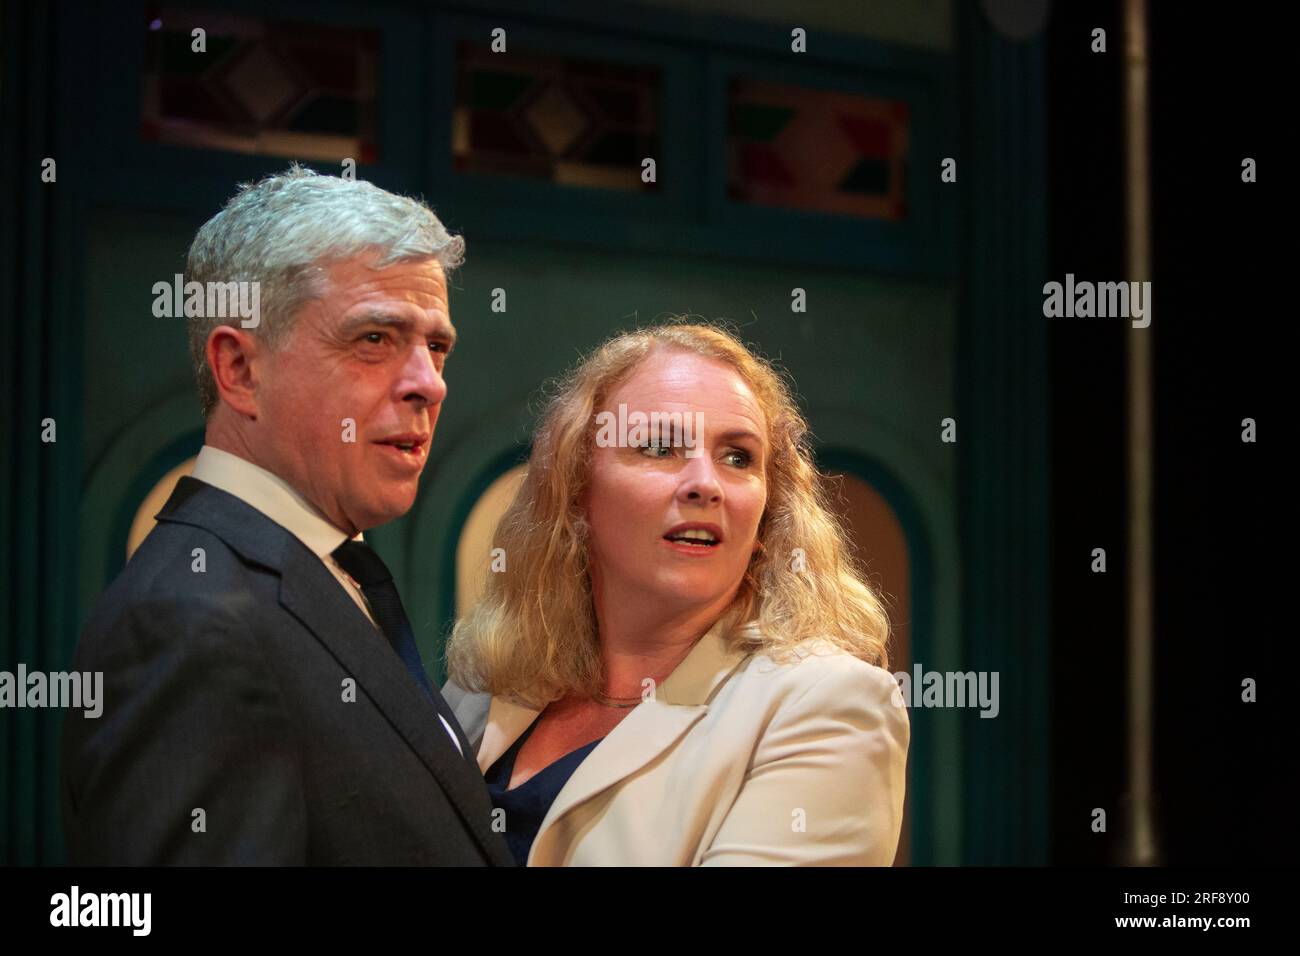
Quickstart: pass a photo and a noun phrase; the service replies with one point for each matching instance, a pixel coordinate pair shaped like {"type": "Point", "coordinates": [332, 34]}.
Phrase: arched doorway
{"type": "Point", "coordinates": [880, 545]}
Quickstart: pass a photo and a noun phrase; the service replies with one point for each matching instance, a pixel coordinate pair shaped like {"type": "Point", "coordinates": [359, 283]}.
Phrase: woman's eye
{"type": "Point", "coordinates": [741, 459]}
{"type": "Point", "coordinates": [652, 450]}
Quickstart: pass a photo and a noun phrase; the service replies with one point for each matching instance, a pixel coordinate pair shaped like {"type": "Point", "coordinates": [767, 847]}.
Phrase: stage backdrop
{"type": "Point", "coordinates": [795, 190]}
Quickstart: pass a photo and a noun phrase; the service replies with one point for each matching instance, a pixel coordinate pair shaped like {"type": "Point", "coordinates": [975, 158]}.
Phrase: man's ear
{"type": "Point", "coordinates": [232, 354]}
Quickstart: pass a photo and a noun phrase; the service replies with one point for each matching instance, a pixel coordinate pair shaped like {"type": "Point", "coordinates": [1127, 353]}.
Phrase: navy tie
{"type": "Point", "coordinates": [368, 569]}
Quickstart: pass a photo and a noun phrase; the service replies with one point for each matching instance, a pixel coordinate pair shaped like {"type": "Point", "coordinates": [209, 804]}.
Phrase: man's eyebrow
{"type": "Point", "coordinates": [442, 331]}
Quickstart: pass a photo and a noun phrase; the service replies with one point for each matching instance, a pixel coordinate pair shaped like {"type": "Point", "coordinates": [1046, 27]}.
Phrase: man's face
{"type": "Point", "coordinates": [359, 376]}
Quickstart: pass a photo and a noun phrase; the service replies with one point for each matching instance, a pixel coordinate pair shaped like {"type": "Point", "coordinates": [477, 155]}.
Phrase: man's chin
{"type": "Point", "coordinates": [390, 508]}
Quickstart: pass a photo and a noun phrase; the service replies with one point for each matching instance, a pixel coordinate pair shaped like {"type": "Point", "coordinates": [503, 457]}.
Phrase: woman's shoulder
{"type": "Point", "coordinates": [815, 687]}
{"type": "Point", "coordinates": [818, 665]}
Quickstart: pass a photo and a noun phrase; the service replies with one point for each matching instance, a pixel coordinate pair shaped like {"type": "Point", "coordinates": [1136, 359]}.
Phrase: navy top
{"type": "Point", "coordinates": [526, 805]}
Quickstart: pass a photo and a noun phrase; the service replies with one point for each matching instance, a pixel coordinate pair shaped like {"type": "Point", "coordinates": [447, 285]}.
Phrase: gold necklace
{"type": "Point", "coordinates": [625, 703]}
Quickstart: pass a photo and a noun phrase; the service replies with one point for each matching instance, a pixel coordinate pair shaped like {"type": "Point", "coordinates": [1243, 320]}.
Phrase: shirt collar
{"type": "Point", "coordinates": [271, 495]}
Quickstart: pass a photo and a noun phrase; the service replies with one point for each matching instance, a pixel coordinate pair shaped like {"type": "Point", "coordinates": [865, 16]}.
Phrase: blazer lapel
{"type": "Point", "coordinates": [651, 728]}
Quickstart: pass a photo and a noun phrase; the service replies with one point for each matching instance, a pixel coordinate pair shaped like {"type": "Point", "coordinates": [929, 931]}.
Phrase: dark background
{"type": "Point", "coordinates": [1220, 315]}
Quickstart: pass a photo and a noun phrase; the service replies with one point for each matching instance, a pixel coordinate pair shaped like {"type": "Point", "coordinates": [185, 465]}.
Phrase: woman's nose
{"type": "Point", "coordinates": [700, 484]}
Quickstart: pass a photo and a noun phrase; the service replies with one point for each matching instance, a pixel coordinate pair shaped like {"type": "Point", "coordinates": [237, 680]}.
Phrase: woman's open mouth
{"type": "Point", "coordinates": [694, 537]}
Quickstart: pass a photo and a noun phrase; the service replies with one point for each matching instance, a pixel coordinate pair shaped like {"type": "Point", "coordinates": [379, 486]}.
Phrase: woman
{"type": "Point", "coordinates": [679, 664]}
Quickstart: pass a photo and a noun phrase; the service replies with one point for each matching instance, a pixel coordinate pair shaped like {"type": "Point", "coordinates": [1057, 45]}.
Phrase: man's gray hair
{"type": "Point", "coordinates": [284, 231]}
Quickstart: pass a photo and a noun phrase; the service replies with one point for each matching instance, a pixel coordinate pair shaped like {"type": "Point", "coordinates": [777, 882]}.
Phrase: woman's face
{"type": "Point", "coordinates": [642, 500]}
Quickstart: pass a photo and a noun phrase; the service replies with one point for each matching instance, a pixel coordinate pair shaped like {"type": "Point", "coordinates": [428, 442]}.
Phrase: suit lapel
{"type": "Point", "coordinates": [449, 715]}
{"type": "Point", "coordinates": [311, 594]}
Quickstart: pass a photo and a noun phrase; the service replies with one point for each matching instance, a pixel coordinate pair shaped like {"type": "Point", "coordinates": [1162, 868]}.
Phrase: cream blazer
{"type": "Point", "coordinates": [735, 761]}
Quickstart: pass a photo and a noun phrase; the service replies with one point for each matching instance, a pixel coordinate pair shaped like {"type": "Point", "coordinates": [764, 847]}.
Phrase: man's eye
{"type": "Point", "coordinates": [374, 338]}
{"type": "Point", "coordinates": [437, 347]}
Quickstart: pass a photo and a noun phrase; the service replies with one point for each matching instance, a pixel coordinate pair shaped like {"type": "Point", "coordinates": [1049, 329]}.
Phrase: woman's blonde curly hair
{"type": "Point", "coordinates": [532, 637]}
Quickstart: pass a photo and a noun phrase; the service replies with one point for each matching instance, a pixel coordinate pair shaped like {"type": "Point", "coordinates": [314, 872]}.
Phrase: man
{"type": "Point", "coordinates": [264, 699]}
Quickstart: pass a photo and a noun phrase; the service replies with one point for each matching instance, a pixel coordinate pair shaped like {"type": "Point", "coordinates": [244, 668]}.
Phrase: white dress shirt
{"type": "Point", "coordinates": [271, 495]}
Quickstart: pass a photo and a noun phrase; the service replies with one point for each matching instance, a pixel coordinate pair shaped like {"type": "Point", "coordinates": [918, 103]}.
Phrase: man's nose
{"type": "Point", "coordinates": [421, 379]}
{"type": "Point", "coordinates": [700, 484]}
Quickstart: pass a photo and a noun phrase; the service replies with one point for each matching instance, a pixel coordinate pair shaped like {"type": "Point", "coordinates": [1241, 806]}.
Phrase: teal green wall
{"type": "Point", "coordinates": [127, 252]}
{"type": "Point", "coordinates": [903, 329]}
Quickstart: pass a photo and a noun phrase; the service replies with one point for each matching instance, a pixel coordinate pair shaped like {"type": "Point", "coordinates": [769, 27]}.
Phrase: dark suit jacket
{"type": "Point", "coordinates": [224, 693]}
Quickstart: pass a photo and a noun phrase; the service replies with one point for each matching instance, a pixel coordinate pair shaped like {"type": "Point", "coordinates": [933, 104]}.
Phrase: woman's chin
{"type": "Point", "coordinates": [683, 591]}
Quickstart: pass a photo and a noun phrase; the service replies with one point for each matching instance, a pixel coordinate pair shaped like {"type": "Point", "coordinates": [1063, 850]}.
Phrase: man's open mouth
{"type": "Point", "coordinates": [413, 445]}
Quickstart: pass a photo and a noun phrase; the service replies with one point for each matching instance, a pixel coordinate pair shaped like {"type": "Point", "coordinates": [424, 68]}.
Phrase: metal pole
{"type": "Point", "coordinates": [1142, 847]}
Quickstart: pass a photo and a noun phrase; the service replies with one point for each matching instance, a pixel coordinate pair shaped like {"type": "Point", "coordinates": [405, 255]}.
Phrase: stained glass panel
{"type": "Point", "coordinates": [821, 150]}
{"type": "Point", "coordinates": [264, 86]}
{"type": "Point", "coordinates": [574, 122]}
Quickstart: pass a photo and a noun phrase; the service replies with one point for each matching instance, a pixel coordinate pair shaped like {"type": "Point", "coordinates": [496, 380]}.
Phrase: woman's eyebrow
{"type": "Point", "coordinates": [736, 434]}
